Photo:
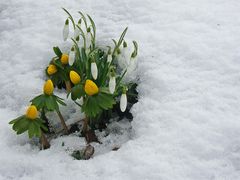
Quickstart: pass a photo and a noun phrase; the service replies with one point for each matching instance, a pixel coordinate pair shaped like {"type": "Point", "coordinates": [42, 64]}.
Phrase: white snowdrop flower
{"type": "Point", "coordinates": [132, 65]}
{"type": "Point", "coordinates": [76, 32]}
{"type": "Point", "coordinates": [94, 70]}
{"type": "Point", "coordinates": [112, 84]}
{"type": "Point", "coordinates": [71, 56]}
{"type": "Point", "coordinates": [109, 58]}
{"type": "Point", "coordinates": [66, 30]}
{"type": "Point", "coordinates": [123, 102]}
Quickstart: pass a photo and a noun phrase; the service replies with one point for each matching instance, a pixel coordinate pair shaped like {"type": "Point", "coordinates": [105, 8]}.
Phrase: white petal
{"type": "Point", "coordinates": [94, 70]}
{"type": "Point", "coordinates": [112, 84]}
{"type": "Point", "coordinates": [132, 65]}
{"type": "Point", "coordinates": [65, 31]}
{"type": "Point", "coordinates": [76, 33]}
{"type": "Point", "coordinates": [109, 58]}
{"type": "Point", "coordinates": [123, 102]}
{"type": "Point", "coordinates": [88, 39]}
{"type": "Point", "coordinates": [71, 58]}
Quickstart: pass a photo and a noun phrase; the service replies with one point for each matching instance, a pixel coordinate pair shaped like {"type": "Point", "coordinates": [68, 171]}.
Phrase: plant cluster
{"type": "Point", "coordinates": [91, 75]}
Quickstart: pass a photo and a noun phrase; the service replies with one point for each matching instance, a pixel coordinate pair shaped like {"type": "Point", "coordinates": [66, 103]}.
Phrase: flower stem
{"type": "Point", "coordinates": [62, 122]}
{"type": "Point", "coordinates": [44, 142]}
{"type": "Point", "coordinates": [68, 86]}
{"type": "Point", "coordinates": [85, 126]}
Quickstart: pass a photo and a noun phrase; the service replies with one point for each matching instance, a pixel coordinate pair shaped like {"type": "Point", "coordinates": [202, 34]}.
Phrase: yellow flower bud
{"type": "Point", "coordinates": [74, 77]}
{"type": "Point", "coordinates": [64, 59]}
{"type": "Point", "coordinates": [32, 112]}
{"type": "Point", "coordinates": [48, 87]}
{"type": "Point", "coordinates": [90, 88]}
{"type": "Point", "coordinates": [52, 69]}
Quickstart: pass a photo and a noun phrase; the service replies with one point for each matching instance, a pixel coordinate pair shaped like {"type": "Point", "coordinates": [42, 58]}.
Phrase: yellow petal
{"type": "Point", "coordinates": [48, 87]}
{"type": "Point", "coordinates": [32, 112]}
{"type": "Point", "coordinates": [64, 59]}
{"type": "Point", "coordinates": [90, 88]}
{"type": "Point", "coordinates": [74, 77]}
{"type": "Point", "coordinates": [52, 69]}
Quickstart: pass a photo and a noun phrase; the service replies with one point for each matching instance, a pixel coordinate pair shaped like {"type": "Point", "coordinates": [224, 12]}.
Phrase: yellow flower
{"type": "Point", "coordinates": [32, 112]}
{"type": "Point", "coordinates": [90, 88]}
{"type": "Point", "coordinates": [64, 59]}
{"type": "Point", "coordinates": [74, 77]}
{"type": "Point", "coordinates": [48, 87]}
{"type": "Point", "coordinates": [52, 69]}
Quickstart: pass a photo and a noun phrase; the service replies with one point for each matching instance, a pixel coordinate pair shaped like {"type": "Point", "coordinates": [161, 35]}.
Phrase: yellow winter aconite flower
{"type": "Point", "coordinates": [32, 112]}
{"type": "Point", "coordinates": [48, 87]}
{"type": "Point", "coordinates": [52, 69]}
{"type": "Point", "coordinates": [90, 88]}
{"type": "Point", "coordinates": [64, 59]}
{"type": "Point", "coordinates": [74, 77]}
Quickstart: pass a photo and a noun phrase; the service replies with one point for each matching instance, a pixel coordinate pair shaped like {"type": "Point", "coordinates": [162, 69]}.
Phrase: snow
{"type": "Point", "coordinates": [186, 123]}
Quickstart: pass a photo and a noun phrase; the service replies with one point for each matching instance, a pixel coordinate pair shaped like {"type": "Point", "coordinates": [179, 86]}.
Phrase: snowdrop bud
{"type": "Point", "coordinates": [71, 56]}
{"type": "Point", "coordinates": [123, 102]}
{"type": "Point", "coordinates": [66, 30]}
{"type": "Point", "coordinates": [94, 70]}
{"type": "Point", "coordinates": [109, 58]}
{"type": "Point", "coordinates": [112, 84]}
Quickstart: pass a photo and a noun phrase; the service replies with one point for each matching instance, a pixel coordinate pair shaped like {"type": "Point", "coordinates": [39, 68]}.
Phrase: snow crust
{"type": "Point", "coordinates": [187, 122]}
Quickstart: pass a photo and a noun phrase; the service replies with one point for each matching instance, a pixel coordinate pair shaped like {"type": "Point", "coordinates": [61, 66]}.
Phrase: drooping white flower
{"type": "Point", "coordinates": [71, 56]}
{"type": "Point", "coordinates": [123, 102]}
{"type": "Point", "coordinates": [94, 70]}
{"type": "Point", "coordinates": [109, 58]}
{"type": "Point", "coordinates": [112, 84]}
{"type": "Point", "coordinates": [76, 32]}
{"type": "Point", "coordinates": [66, 30]}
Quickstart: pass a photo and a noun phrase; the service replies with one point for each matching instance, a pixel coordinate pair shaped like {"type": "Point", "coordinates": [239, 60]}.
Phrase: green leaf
{"type": "Point", "coordinates": [49, 104]}
{"type": "Point", "coordinates": [17, 125]}
{"type": "Point", "coordinates": [38, 101]}
{"type": "Point", "coordinates": [59, 65]}
{"type": "Point", "coordinates": [91, 107]}
{"type": "Point", "coordinates": [105, 101]}
{"type": "Point", "coordinates": [23, 126]}
{"type": "Point", "coordinates": [31, 130]}
{"type": "Point", "coordinates": [77, 92]}
{"type": "Point", "coordinates": [40, 123]}
{"type": "Point", "coordinates": [61, 102]}
{"type": "Point", "coordinates": [15, 120]}
{"type": "Point", "coordinates": [37, 129]}
{"type": "Point", "coordinates": [57, 51]}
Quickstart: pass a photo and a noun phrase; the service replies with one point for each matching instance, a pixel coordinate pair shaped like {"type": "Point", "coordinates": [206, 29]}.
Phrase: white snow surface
{"type": "Point", "coordinates": [187, 122]}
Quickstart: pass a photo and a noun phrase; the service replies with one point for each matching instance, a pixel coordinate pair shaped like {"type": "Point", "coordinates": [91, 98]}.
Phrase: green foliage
{"type": "Point", "coordinates": [23, 124]}
{"type": "Point", "coordinates": [50, 103]}
{"type": "Point", "coordinates": [94, 105]}
{"type": "Point", "coordinates": [57, 51]}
